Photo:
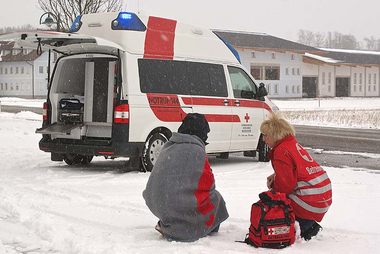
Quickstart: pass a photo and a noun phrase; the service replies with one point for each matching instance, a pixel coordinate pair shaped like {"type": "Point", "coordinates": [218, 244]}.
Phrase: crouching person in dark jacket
{"type": "Point", "coordinates": [181, 188]}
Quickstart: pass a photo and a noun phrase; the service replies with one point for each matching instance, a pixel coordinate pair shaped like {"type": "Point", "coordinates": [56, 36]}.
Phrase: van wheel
{"type": "Point", "coordinates": [74, 159]}
{"type": "Point", "coordinates": [263, 150]}
{"type": "Point", "coordinates": [152, 150]}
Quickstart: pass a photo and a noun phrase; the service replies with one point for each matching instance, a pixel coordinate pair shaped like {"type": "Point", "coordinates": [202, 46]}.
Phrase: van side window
{"type": "Point", "coordinates": [181, 77]}
{"type": "Point", "coordinates": [163, 76]}
{"type": "Point", "coordinates": [242, 85]}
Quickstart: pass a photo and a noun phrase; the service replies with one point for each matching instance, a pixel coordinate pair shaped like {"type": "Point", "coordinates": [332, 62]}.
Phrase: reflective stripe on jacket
{"type": "Point", "coordinates": [304, 181]}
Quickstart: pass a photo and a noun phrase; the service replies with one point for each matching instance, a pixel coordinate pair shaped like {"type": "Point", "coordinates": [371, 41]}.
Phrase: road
{"type": "Point", "coordinates": [320, 142]}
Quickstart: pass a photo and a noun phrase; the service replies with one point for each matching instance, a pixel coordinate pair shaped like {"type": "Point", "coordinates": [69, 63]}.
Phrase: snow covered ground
{"type": "Point", "coordinates": [50, 207]}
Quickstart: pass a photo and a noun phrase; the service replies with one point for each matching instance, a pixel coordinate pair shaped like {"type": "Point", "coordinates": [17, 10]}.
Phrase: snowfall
{"type": "Point", "coordinates": [50, 207]}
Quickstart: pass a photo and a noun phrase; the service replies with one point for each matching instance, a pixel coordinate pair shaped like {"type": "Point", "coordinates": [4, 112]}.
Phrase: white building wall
{"type": "Point", "coordinates": [372, 81]}
{"type": "Point", "coordinates": [310, 70]}
{"type": "Point", "coordinates": [357, 81]}
{"type": "Point", "coordinates": [289, 85]}
{"type": "Point", "coordinates": [326, 81]}
{"type": "Point", "coordinates": [25, 79]}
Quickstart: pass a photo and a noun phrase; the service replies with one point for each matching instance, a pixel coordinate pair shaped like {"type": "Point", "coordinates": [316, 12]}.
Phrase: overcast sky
{"type": "Point", "coordinates": [281, 18]}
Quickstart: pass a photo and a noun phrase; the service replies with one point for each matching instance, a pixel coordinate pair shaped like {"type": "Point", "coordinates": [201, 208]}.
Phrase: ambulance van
{"type": "Point", "coordinates": [124, 82]}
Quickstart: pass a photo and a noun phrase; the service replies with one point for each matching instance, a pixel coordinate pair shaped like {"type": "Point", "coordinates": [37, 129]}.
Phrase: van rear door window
{"type": "Point", "coordinates": [181, 77]}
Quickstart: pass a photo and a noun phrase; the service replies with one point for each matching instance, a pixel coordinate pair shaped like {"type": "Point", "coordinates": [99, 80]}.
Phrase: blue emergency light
{"type": "Point", "coordinates": [76, 24]}
{"type": "Point", "coordinates": [128, 21]}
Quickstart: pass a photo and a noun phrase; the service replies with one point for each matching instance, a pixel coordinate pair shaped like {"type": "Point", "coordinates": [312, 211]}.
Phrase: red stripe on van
{"type": "Point", "coordinates": [199, 101]}
{"type": "Point", "coordinates": [159, 38]}
{"type": "Point", "coordinates": [166, 108]}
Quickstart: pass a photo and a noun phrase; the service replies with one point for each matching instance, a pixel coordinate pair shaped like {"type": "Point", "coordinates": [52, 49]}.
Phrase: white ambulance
{"type": "Point", "coordinates": [125, 82]}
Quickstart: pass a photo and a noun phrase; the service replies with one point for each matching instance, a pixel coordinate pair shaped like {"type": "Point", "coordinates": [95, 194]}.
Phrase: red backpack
{"type": "Point", "coordinates": [272, 222]}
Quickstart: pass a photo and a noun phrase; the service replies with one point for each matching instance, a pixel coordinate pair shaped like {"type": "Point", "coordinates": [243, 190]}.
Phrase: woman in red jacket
{"type": "Point", "coordinates": [297, 174]}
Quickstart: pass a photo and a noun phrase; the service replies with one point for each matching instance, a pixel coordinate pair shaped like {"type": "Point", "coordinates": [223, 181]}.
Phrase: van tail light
{"type": "Point", "coordinates": [121, 114]}
{"type": "Point", "coordinates": [44, 112]}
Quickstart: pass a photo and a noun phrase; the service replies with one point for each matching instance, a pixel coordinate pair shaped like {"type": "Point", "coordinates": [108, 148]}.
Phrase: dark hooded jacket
{"type": "Point", "coordinates": [181, 190]}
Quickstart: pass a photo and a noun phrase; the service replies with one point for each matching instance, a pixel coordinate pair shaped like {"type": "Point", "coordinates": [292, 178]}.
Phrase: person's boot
{"type": "Point", "coordinates": [312, 231]}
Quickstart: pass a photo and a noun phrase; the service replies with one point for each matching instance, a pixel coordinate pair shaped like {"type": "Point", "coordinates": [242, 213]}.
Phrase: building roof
{"type": "Point", "coordinates": [349, 57]}
{"type": "Point", "coordinates": [20, 57]}
{"type": "Point", "coordinates": [262, 41]}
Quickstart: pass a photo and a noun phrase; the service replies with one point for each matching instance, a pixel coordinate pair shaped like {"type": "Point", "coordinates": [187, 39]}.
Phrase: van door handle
{"type": "Point", "coordinates": [225, 102]}
{"type": "Point", "coordinates": [237, 103]}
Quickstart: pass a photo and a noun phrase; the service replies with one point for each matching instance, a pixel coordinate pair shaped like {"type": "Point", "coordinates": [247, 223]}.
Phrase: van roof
{"type": "Point", "coordinates": [155, 37]}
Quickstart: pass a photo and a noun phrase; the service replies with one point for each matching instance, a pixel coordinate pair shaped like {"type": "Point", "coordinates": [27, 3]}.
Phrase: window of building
{"type": "Point", "coordinates": [360, 79]}
{"type": "Point", "coordinates": [329, 78]}
{"type": "Point", "coordinates": [292, 56]}
{"type": "Point", "coordinates": [323, 78]}
{"type": "Point", "coordinates": [287, 89]}
{"type": "Point", "coordinates": [273, 55]}
{"type": "Point", "coordinates": [11, 87]}
{"type": "Point", "coordinates": [6, 86]}
{"type": "Point", "coordinates": [41, 69]}
{"type": "Point", "coordinates": [369, 88]}
{"type": "Point", "coordinates": [257, 72]}
{"type": "Point", "coordinates": [329, 87]}
{"type": "Point", "coordinates": [5, 70]}
{"type": "Point", "coordinates": [1, 70]}
{"type": "Point", "coordinates": [16, 87]}
{"type": "Point", "coordinates": [253, 54]}
{"type": "Point", "coordinates": [287, 71]}
{"type": "Point", "coordinates": [374, 88]}
{"type": "Point", "coordinates": [354, 88]}
{"type": "Point", "coordinates": [298, 89]}
{"type": "Point", "coordinates": [354, 78]}
{"type": "Point", "coordinates": [360, 88]}
{"type": "Point", "coordinates": [374, 78]}
{"type": "Point", "coordinates": [22, 70]}
{"type": "Point", "coordinates": [1, 86]}
{"type": "Point", "coordinates": [16, 70]}
{"type": "Point", "coordinates": [293, 89]}
{"type": "Point", "coordinates": [369, 78]}
{"type": "Point", "coordinates": [293, 71]}
{"type": "Point", "coordinates": [268, 89]}
{"type": "Point", "coordinates": [298, 71]}
{"type": "Point", "coordinates": [10, 70]}
{"type": "Point", "coordinates": [276, 89]}
{"type": "Point", "coordinates": [272, 72]}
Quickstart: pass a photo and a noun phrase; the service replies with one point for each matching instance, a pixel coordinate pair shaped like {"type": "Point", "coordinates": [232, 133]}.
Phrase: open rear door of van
{"type": "Point", "coordinates": [65, 43]}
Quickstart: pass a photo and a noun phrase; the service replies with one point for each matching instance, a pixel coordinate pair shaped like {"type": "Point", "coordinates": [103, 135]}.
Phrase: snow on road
{"type": "Point", "coordinates": [50, 207]}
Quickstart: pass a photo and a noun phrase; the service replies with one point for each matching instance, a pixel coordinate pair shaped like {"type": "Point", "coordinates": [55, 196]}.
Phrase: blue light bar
{"type": "Point", "coordinates": [127, 21]}
{"type": "Point", "coordinates": [76, 24]}
{"type": "Point", "coordinates": [233, 50]}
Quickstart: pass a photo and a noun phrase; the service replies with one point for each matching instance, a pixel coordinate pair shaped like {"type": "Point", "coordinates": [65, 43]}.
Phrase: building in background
{"type": "Point", "coordinates": [276, 62]}
{"type": "Point", "coordinates": [342, 73]}
{"type": "Point", "coordinates": [23, 73]}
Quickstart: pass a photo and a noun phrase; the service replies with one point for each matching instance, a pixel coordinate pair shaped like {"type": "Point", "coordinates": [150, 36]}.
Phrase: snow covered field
{"type": "Point", "coordinates": [50, 207]}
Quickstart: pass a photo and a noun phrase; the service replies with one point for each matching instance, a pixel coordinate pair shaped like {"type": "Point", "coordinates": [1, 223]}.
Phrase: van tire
{"type": "Point", "coordinates": [152, 150]}
{"type": "Point", "coordinates": [263, 150]}
{"type": "Point", "coordinates": [74, 159]}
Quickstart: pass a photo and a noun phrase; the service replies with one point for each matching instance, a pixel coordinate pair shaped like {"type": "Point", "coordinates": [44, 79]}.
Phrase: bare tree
{"type": "Point", "coordinates": [319, 40]}
{"type": "Point", "coordinates": [371, 43]}
{"type": "Point", "coordinates": [15, 29]}
{"type": "Point", "coordinates": [68, 10]}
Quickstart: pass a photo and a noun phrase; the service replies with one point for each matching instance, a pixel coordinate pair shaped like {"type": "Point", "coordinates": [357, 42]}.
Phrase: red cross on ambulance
{"type": "Point", "coordinates": [246, 117]}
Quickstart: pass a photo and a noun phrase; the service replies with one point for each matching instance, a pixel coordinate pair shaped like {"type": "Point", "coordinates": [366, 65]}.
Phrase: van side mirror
{"type": "Point", "coordinates": [262, 90]}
